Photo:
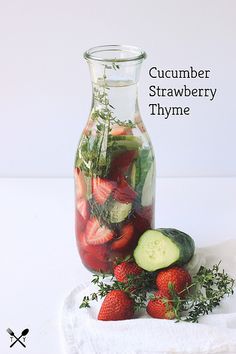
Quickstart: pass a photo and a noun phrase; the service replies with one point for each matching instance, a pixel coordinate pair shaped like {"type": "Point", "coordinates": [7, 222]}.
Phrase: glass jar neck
{"type": "Point", "coordinates": [115, 89]}
{"type": "Point", "coordinates": [116, 99]}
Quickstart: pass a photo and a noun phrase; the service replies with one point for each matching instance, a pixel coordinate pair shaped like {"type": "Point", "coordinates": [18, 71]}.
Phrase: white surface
{"type": "Point", "coordinates": [45, 92]}
{"type": "Point", "coordinates": [215, 333]}
{"type": "Point", "coordinates": [38, 258]}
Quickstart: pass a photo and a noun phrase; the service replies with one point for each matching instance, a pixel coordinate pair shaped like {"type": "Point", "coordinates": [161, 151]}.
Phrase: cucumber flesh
{"type": "Point", "coordinates": [155, 251]}
{"type": "Point", "coordinates": [130, 138]}
{"type": "Point", "coordinates": [88, 181]}
{"type": "Point", "coordinates": [118, 212]}
{"type": "Point", "coordinates": [126, 142]}
{"type": "Point", "coordinates": [143, 165]}
{"type": "Point", "coordinates": [133, 176]}
{"type": "Point", "coordinates": [147, 192]}
{"type": "Point", "coordinates": [128, 145]}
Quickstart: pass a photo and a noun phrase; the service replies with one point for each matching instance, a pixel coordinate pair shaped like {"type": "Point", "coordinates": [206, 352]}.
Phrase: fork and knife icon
{"type": "Point", "coordinates": [23, 334]}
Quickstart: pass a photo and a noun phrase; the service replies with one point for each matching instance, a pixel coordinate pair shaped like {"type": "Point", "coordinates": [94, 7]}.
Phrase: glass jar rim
{"type": "Point", "coordinates": [124, 53]}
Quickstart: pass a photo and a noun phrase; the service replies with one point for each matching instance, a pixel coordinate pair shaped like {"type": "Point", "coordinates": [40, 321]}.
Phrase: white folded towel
{"type": "Point", "coordinates": [215, 333]}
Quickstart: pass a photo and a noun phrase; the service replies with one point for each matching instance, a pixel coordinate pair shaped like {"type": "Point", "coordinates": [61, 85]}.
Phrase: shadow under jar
{"type": "Point", "coordinates": [114, 166]}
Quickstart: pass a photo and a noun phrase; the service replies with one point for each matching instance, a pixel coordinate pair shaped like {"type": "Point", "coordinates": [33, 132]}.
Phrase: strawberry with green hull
{"type": "Point", "coordinates": [176, 277]}
{"type": "Point", "coordinates": [178, 297]}
{"type": "Point", "coordinates": [123, 270]}
{"type": "Point", "coordinates": [161, 306]}
{"type": "Point", "coordinates": [116, 306]}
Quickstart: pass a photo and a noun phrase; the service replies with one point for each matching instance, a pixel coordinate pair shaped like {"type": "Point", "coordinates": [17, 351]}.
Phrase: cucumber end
{"type": "Point", "coordinates": [155, 251]}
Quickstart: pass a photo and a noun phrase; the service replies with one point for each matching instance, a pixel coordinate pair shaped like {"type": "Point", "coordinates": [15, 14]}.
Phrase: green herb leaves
{"type": "Point", "coordinates": [208, 288]}
{"type": "Point", "coordinates": [95, 148]}
{"type": "Point", "coordinates": [136, 286]}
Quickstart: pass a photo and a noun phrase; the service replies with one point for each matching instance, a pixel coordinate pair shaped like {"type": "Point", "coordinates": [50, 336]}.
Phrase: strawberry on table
{"type": "Point", "coordinates": [161, 306]}
{"type": "Point", "coordinates": [177, 276]}
{"type": "Point", "coordinates": [124, 193]}
{"type": "Point", "coordinates": [116, 306]}
{"type": "Point", "coordinates": [101, 189]}
{"type": "Point", "coordinates": [124, 269]}
{"type": "Point", "coordinates": [125, 237]}
{"type": "Point", "coordinates": [97, 234]}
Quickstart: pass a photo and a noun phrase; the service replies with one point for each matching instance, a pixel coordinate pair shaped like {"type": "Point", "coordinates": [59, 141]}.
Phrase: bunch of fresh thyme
{"type": "Point", "coordinates": [209, 286]}
{"type": "Point", "coordinates": [136, 286]}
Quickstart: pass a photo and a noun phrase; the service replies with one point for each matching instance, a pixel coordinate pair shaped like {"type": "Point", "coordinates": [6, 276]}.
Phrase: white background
{"type": "Point", "coordinates": [45, 91]}
{"type": "Point", "coordinates": [45, 97]}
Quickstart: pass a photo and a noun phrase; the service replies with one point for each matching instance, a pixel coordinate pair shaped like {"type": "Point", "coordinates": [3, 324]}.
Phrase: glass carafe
{"type": "Point", "coordinates": [114, 165]}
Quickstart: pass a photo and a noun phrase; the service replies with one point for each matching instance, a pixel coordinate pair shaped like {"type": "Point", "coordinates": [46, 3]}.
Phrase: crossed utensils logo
{"type": "Point", "coordinates": [17, 339]}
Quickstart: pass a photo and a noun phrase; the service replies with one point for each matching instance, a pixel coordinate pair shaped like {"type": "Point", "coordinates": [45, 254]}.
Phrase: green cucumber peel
{"type": "Point", "coordinates": [164, 247]}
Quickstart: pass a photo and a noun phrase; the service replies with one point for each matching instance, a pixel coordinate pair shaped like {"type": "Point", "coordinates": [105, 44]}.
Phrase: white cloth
{"type": "Point", "coordinates": [215, 333]}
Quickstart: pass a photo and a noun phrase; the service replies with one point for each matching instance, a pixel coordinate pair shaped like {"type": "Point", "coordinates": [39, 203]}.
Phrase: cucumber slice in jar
{"type": "Point", "coordinates": [147, 192]}
{"type": "Point", "coordinates": [133, 176]}
{"type": "Point", "coordinates": [88, 181]}
{"type": "Point", "coordinates": [131, 138]}
{"type": "Point", "coordinates": [144, 164]}
{"type": "Point", "coordinates": [162, 248]}
{"type": "Point", "coordinates": [127, 142]}
{"type": "Point", "coordinates": [118, 212]}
